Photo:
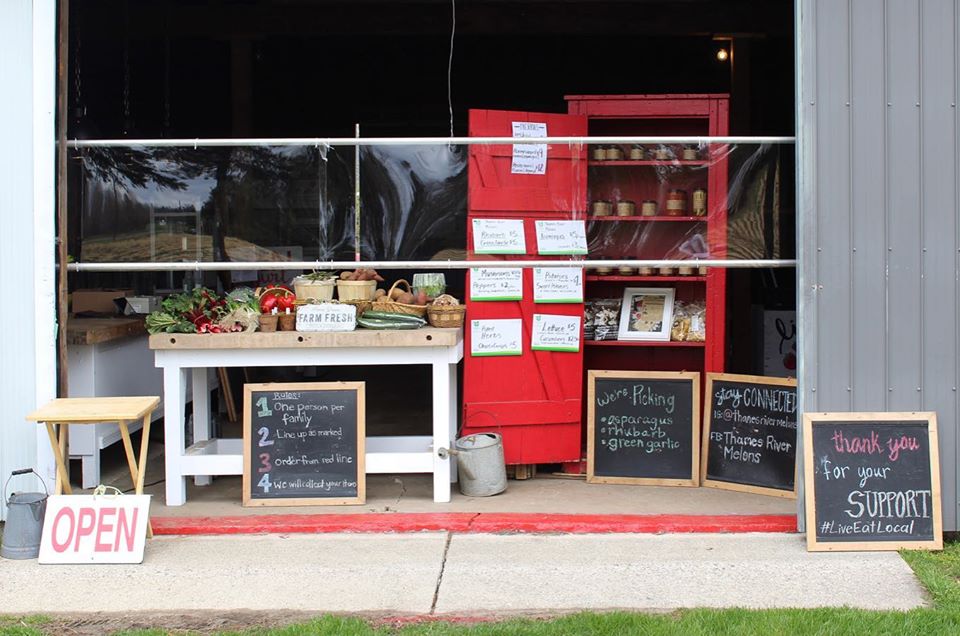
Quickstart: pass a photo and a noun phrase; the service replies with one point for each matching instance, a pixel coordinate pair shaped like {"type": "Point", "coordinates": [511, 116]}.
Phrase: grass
{"type": "Point", "coordinates": [939, 572]}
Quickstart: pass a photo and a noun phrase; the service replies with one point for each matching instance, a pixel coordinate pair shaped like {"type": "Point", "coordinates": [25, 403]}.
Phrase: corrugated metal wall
{"type": "Point", "coordinates": [880, 212]}
{"type": "Point", "coordinates": [18, 447]}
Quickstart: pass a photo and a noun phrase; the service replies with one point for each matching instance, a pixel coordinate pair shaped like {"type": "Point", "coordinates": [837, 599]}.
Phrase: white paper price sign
{"type": "Point", "coordinates": [555, 333]}
{"type": "Point", "coordinates": [561, 237]}
{"type": "Point", "coordinates": [493, 283]}
{"type": "Point", "coordinates": [529, 158]}
{"type": "Point", "coordinates": [499, 337]}
{"type": "Point", "coordinates": [558, 284]}
{"type": "Point", "coordinates": [498, 236]}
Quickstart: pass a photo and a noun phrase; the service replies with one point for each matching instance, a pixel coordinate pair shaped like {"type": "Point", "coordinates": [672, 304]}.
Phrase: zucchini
{"type": "Point", "coordinates": [376, 323]}
{"type": "Point", "coordinates": [395, 318]}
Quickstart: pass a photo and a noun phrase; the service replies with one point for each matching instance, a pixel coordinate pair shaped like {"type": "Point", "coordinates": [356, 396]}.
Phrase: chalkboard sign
{"type": "Point", "coordinates": [303, 444]}
{"type": "Point", "coordinates": [750, 434]}
{"type": "Point", "coordinates": [872, 481]}
{"type": "Point", "coordinates": [643, 428]}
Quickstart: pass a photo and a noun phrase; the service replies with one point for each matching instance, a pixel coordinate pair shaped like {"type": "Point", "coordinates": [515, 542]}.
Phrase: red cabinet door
{"type": "Point", "coordinates": [533, 400]}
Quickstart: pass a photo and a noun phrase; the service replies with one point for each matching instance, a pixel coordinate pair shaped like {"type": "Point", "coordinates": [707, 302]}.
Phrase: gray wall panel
{"type": "Point", "coordinates": [904, 212]}
{"type": "Point", "coordinates": [880, 211]}
{"type": "Point", "coordinates": [938, 190]}
{"type": "Point", "coordinates": [833, 200]}
{"type": "Point", "coordinates": [868, 113]}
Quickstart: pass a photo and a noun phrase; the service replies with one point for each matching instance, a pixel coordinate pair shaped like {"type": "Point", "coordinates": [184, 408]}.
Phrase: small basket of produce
{"type": "Point", "coordinates": [360, 284]}
{"type": "Point", "coordinates": [445, 311]}
{"type": "Point", "coordinates": [398, 301]}
{"type": "Point", "coordinates": [432, 284]}
{"type": "Point", "coordinates": [316, 286]}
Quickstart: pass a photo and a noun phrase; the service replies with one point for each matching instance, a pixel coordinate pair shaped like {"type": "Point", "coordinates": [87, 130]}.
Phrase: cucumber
{"type": "Point", "coordinates": [395, 318]}
{"type": "Point", "coordinates": [376, 323]}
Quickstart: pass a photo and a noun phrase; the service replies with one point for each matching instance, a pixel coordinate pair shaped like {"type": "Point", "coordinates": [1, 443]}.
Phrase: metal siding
{"type": "Point", "coordinates": [17, 437]}
{"type": "Point", "coordinates": [868, 110]}
{"type": "Point", "coordinates": [833, 199]}
{"type": "Point", "coordinates": [938, 140]}
{"type": "Point", "coordinates": [904, 209]}
{"type": "Point", "coordinates": [880, 178]}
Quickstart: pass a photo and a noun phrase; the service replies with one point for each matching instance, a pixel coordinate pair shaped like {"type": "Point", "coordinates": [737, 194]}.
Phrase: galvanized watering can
{"type": "Point", "coordinates": [480, 460]}
{"type": "Point", "coordinates": [25, 510]}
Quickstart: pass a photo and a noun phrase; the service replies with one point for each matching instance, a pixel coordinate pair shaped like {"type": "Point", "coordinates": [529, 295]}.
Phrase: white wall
{"type": "Point", "coordinates": [27, 289]}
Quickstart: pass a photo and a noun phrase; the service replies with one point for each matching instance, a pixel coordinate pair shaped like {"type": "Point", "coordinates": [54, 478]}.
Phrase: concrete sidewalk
{"type": "Point", "coordinates": [464, 574]}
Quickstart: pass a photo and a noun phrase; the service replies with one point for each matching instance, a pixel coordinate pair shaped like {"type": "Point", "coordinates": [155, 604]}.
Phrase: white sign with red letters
{"type": "Point", "coordinates": [94, 529]}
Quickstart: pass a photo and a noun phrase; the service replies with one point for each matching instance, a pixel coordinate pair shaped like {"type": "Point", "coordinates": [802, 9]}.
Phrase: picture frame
{"type": "Point", "coordinates": [646, 313]}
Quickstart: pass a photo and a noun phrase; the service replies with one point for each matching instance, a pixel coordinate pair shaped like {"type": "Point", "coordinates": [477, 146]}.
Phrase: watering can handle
{"type": "Point", "coordinates": [23, 471]}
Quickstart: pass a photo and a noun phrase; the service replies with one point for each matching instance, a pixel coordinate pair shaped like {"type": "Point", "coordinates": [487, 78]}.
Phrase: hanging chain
{"type": "Point", "coordinates": [79, 110]}
{"type": "Point", "coordinates": [126, 68]}
{"type": "Point", "coordinates": [166, 68]}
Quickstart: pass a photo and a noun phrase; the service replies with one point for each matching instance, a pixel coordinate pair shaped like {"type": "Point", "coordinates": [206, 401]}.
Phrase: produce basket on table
{"type": "Point", "coordinates": [316, 286]}
{"type": "Point", "coordinates": [446, 311]}
{"type": "Point", "coordinates": [360, 284]}
{"type": "Point", "coordinates": [397, 301]}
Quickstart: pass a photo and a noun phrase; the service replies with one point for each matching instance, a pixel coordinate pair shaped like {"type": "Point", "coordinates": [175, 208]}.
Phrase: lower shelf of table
{"type": "Point", "coordinates": [401, 454]}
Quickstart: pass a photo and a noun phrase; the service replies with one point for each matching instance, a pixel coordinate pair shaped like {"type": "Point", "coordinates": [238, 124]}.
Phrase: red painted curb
{"type": "Point", "coordinates": [474, 522]}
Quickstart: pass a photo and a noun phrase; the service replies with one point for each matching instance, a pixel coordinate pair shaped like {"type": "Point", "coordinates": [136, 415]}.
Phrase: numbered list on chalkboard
{"type": "Point", "coordinates": [305, 444]}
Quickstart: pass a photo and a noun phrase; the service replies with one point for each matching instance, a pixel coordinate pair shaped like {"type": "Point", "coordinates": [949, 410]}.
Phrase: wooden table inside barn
{"type": "Point", "coordinates": [178, 354]}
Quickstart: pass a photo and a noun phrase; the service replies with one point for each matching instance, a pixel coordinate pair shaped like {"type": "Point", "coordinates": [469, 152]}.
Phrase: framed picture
{"type": "Point", "coordinates": [646, 313]}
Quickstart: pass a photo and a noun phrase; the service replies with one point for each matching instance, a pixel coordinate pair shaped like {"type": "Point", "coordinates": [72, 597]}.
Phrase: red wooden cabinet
{"type": "Point", "coordinates": [535, 400]}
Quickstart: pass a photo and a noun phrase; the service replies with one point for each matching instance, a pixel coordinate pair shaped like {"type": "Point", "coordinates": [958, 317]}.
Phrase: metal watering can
{"type": "Point", "coordinates": [25, 511]}
{"type": "Point", "coordinates": [483, 471]}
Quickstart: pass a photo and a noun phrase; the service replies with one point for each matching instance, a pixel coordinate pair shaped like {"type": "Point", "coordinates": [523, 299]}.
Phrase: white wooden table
{"type": "Point", "coordinates": [177, 354]}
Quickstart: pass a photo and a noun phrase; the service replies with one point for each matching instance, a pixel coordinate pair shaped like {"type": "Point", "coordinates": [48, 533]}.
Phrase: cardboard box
{"type": "Point", "coordinates": [98, 301]}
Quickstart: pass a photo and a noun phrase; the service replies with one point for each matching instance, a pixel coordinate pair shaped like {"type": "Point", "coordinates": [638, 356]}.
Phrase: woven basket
{"type": "Point", "coordinates": [361, 305]}
{"type": "Point", "coordinates": [356, 289]}
{"type": "Point", "coordinates": [393, 307]}
{"type": "Point", "coordinates": [446, 315]}
{"type": "Point", "coordinates": [319, 290]}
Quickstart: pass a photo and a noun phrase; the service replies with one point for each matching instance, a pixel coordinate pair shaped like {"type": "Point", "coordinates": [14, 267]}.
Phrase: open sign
{"type": "Point", "coordinates": [94, 529]}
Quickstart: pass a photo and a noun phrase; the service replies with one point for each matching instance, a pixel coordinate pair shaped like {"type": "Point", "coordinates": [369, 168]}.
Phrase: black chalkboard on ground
{"type": "Point", "coordinates": [303, 444]}
{"type": "Point", "coordinates": [643, 427]}
{"type": "Point", "coordinates": [872, 481]}
{"type": "Point", "coordinates": [750, 434]}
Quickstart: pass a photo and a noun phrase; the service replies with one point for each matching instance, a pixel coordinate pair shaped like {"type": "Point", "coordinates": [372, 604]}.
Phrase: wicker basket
{"type": "Point", "coordinates": [356, 289]}
{"type": "Point", "coordinates": [446, 315]}
{"type": "Point", "coordinates": [393, 307]}
{"type": "Point", "coordinates": [319, 290]}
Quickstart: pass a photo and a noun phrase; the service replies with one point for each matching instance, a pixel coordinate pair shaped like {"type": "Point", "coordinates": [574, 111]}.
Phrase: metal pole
{"type": "Point", "coordinates": [215, 266]}
{"type": "Point", "coordinates": [63, 41]}
{"type": "Point", "coordinates": [415, 141]}
{"type": "Point", "coordinates": [356, 199]}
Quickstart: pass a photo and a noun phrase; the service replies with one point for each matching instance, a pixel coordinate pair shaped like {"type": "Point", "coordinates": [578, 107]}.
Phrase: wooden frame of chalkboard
{"type": "Point", "coordinates": [682, 376]}
{"type": "Point", "coordinates": [708, 412]}
{"type": "Point", "coordinates": [815, 543]}
{"type": "Point", "coordinates": [286, 390]}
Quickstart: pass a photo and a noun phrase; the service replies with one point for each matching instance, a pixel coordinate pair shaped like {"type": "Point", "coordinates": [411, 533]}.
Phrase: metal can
{"type": "Point", "coordinates": [598, 153]}
{"type": "Point", "coordinates": [645, 271]}
{"type": "Point", "coordinates": [666, 271]}
{"type": "Point", "coordinates": [699, 202]}
{"type": "Point", "coordinates": [637, 153]}
{"type": "Point", "coordinates": [690, 153]}
{"type": "Point", "coordinates": [648, 208]}
{"type": "Point", "coordinates": [676, 203]}
{"type": "Point", "coordinates": [603, 271]}
{"type": "Point", "coordinates": [625, 271]}
{"type": "Point", "coordinates": [685, 271]}
{"type": "Point", "coordinates": [663, 153]}
{"type": "Point", "coordinates": [602, 208]}
{"type": "Point", "coordinates": [626, 208]}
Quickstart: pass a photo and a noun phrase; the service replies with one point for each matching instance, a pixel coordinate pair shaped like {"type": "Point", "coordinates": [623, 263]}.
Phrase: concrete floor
{"type": "Point", "coordinates": [437, 574]}
{"type": "Point", "coordinates": [545, 493]}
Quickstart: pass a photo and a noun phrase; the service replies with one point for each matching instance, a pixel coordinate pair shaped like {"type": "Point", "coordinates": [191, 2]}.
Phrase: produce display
{"type": "Point", "coordinates": [202, 310]}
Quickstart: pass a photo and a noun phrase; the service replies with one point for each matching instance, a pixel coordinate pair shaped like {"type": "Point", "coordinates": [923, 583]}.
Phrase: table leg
{"type": "Point", "coordinates": [201, 415]}
{"type": "Point", "coordinates": [142, 465]}
{"type": "Point", "coordinates": [441, 431]}
{"type": "Point", "coordinates": [59, 448]}
{"type": "Point", "coordinates": [128, 449]}
{"type": "Point", "coordinates": [137, 470]}
{"type": "Point", "coordinates": [454, 429]}
{"type": "Point", "coordinates": [173, 404]}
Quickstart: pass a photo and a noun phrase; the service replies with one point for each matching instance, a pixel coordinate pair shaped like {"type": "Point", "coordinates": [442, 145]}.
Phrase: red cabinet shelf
{"type": "Point", "coordinates": [628, 219]}
{"type": "Point", "coordinates": [647, 162]}
{"type": "Point", "coordinates": [641, 343]}
{"type": "Point", "coordinates": [646, 279]}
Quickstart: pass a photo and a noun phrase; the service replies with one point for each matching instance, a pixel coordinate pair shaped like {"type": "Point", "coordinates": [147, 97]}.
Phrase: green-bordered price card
{"type": "Point", "coordinates": [558, 284]}
{"type": "Point", "coordinates": [495, 283]}
{"type": "Point", "coordinates": [498, 337]}
{"type": "Point", "coordinates": [561, 237]}
{"type": "Point", "coordinates": [555, 333]}
{"type": "Point", "coordinates": [498, 236]}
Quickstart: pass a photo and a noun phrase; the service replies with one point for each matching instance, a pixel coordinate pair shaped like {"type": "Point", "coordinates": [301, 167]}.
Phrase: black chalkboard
{"type": "Point", "coordinates": [750, 434]}
{"type": "Point", "coordinates": [872, 481]}
{"type": "Point", "coordinates": [303, 443]}
{"type": "Point", "coordinates": [643, 427]}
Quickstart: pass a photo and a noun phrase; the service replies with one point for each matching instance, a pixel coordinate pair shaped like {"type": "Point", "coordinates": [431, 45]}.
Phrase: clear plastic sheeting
{"type": "Point", "coordinates": [297, 202]}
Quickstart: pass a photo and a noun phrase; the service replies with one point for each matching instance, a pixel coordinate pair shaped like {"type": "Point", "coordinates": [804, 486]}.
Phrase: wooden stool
{"type": "Point", "coordinates": [65, 411]}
